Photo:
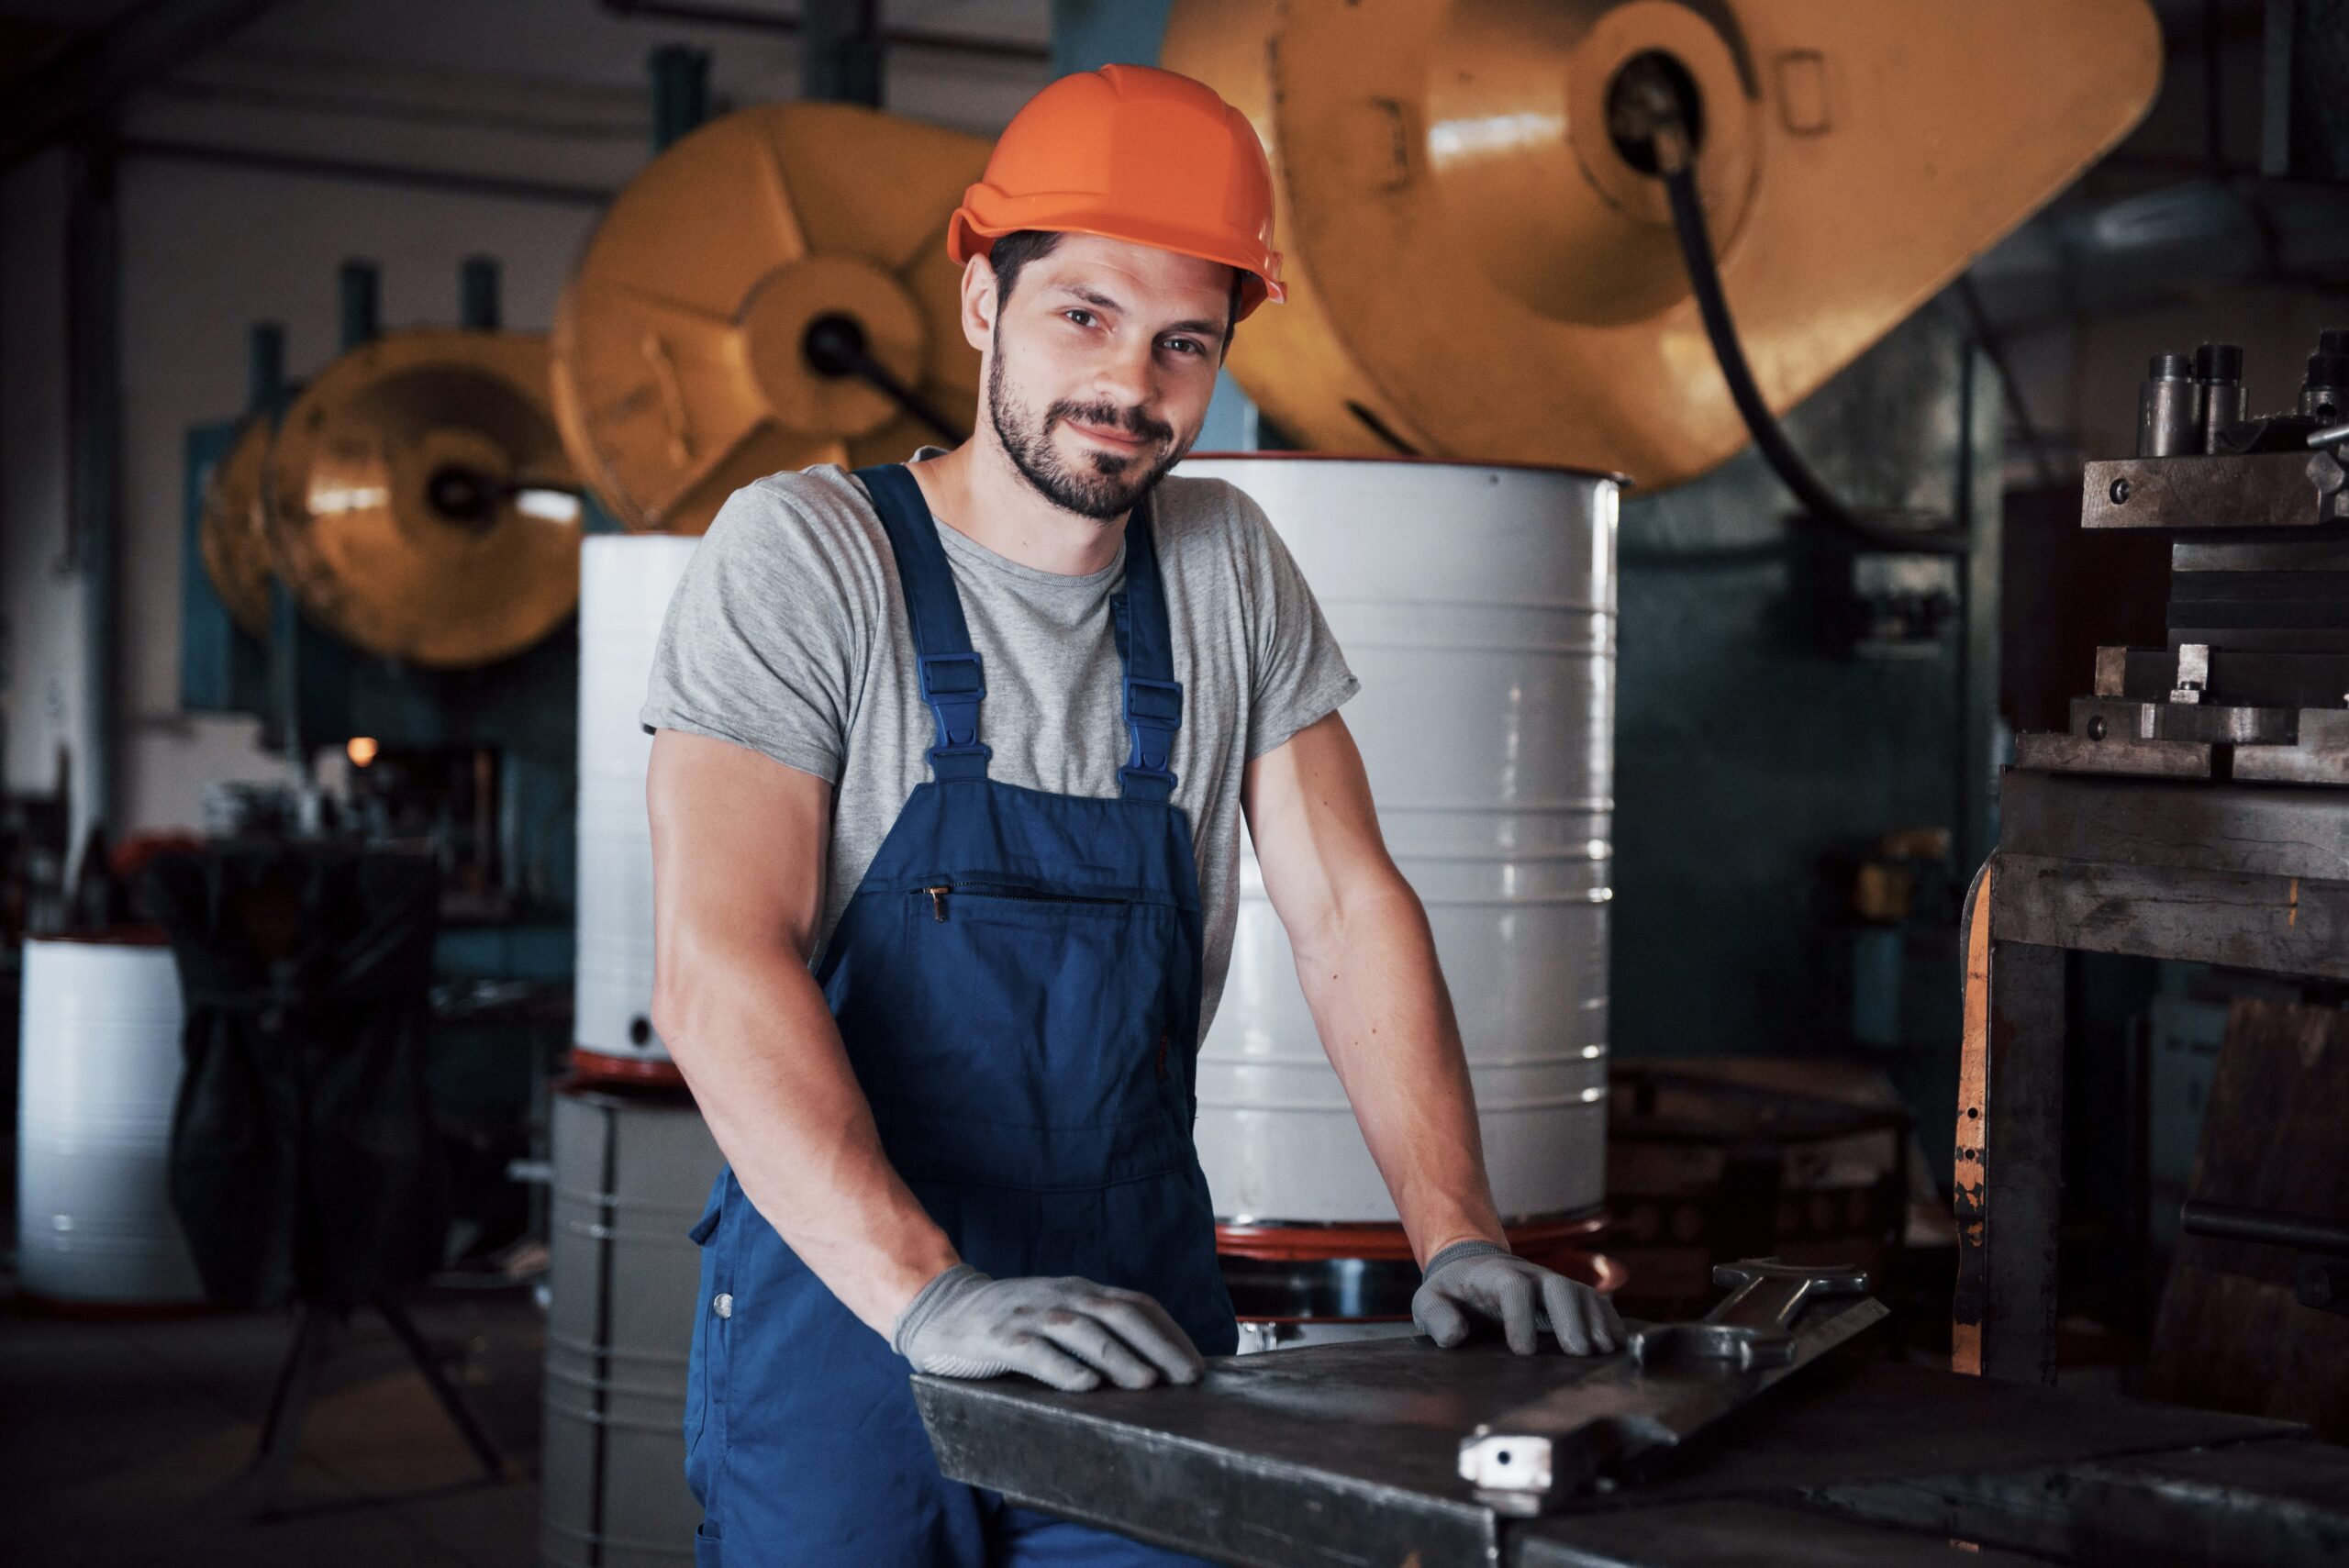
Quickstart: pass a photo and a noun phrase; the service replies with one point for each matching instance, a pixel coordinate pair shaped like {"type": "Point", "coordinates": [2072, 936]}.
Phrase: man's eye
{"type": "Point", "coordinates": [1186, 345]}
{"type": "Point", "coordinates": [1082, 317]}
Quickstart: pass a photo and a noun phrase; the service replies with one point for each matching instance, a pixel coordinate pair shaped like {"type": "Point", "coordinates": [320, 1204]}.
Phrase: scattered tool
{"type": "Point", "coordinates": [1672, 1381]}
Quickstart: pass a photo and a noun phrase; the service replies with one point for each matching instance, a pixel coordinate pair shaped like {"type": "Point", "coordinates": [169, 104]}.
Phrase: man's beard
{"type": "Point", "coordinates": [1111, 483]}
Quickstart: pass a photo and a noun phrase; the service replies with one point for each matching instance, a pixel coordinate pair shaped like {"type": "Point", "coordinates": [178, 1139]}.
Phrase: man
{"type": "Point", "coordinates": [976, 734]}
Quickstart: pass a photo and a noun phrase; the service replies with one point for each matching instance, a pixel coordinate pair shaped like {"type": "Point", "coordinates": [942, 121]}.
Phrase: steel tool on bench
{"type": "Point", "coordinates": [1673, 1380]}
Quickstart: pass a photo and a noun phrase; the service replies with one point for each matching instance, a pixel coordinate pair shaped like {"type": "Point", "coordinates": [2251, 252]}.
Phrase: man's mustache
{"type": "Point", "coordinates": [1132, 422]}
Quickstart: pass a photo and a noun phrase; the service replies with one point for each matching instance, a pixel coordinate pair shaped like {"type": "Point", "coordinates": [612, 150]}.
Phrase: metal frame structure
{"type": "Point", "coordinates": [2194, 810]}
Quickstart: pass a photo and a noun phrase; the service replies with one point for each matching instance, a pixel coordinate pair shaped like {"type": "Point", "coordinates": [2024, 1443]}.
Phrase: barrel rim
{"type": "Point", "coordinates": [590, 1066]}
{"type": "Point", "coordinates": [1294, 1240]}
{"type": "Point", "coordinates": [140, 934]}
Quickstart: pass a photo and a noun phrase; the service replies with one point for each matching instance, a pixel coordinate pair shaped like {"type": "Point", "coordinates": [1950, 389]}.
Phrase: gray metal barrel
{"type": "Point", "coordinates": [631, 1174]}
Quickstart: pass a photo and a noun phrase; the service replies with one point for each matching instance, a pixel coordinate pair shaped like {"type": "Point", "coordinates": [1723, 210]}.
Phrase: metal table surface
{"type": "Point", "coordinates": [1344, 1456]}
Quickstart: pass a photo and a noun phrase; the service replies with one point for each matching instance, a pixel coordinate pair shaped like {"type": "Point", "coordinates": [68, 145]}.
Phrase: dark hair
{"type": "Point", "coordinates": [1010, 255]}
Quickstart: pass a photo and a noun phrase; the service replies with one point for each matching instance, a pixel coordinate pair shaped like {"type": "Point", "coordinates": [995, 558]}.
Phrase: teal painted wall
{"type": "Point", "coordinates": [1744, 753]}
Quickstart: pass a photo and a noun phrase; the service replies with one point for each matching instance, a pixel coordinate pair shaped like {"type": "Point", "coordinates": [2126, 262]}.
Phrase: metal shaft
{"type": "Point", "coordinates": [2170, 408]}
{"type": "Point", "coordinates": [2218, 368]}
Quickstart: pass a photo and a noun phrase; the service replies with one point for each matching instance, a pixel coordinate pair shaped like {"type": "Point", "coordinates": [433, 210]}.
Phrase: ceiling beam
{"type": "Point", "coordinates": [97, 70]}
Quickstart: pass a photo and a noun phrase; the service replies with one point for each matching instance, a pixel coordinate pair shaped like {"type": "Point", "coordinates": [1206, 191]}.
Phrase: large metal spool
{"type": "Point", "coordinates": [1477, 606]}
{"type": "Point", "coordinates": [683, 361]}
{"type": "Point", "coordinates": [1476, 270]}
{"type": "Point", "coordinates": [420, 502]}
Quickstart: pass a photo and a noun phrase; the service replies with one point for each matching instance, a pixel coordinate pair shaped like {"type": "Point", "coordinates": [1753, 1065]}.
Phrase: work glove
{"type": "Point", "coordinates": [1070, 1333]}
{"type": "Point", "coordinates": [1477, 1281]}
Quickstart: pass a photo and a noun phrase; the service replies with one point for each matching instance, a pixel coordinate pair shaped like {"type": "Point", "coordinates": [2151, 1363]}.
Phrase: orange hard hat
{"type": "Point", "coordinates": [1131, 152]}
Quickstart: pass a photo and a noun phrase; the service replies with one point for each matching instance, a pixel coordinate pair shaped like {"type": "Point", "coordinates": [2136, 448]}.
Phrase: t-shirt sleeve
{"type": "Point", "coordinates": [761, 643]}
{"type": "Point", "coordinates": [1298, 674]}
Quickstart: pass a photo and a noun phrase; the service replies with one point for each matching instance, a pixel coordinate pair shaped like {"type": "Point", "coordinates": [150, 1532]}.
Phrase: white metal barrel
{"type": "Point", "coordinates": [1477, 607]}
{"type": "Point", "coordinates": [632, 1173]}
{"type": "Point", "coordinates": [626, 581]}
{"type": "Point", "coordinates": [99, 1072]}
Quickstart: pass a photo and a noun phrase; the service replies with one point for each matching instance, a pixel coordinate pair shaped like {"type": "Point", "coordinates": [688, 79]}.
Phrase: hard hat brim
{"type": "Point", "coordinates": [968, 235]}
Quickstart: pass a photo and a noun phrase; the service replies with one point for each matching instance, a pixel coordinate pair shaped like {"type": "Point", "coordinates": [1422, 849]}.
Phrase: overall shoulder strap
{"type": "Point", "coordinates": [1153, 697]}
{"type": "Point", "coordinates": [953, 682]}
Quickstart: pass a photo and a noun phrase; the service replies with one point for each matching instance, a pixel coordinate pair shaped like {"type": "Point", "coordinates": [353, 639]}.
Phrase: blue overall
{"type": "Point", "coordinates": [1017, 983]}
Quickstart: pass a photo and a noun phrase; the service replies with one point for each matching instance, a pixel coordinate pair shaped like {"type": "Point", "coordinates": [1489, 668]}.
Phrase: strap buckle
{"type": "Point", "coordinates": [1153, 714]}
{"type": "Point", "coordinates": [953, 685]}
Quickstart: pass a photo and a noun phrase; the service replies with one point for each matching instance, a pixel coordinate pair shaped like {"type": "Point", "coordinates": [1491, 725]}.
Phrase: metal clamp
{"type": "Point", "coordinates": [1672, 1381]}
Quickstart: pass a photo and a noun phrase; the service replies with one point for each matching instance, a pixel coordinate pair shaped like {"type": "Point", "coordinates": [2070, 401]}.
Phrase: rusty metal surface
{"type": "Point", "coordinates": [1344, 1455]}
{"type": "Point", "coordinates": [2318, 756]}
{"type": "Point", "coordinates": [2047, 752]}
{"type": "Point", "coordinates": [1475, 272]}
{"type": "Point", "coordinates": [681, 370]}
{"type": "Point", "coordinates": [2251, 490]}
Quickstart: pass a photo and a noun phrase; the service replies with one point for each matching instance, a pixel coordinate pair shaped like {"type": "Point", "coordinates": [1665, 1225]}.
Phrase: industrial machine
{"type": "Point", "coordinates": [2196, 809]}
{"type": "Point", "coordinates": [814, 318]}
{"type": "Point", "coordinates": [381, 561]}
{"type": "Point", "coordinates": [419, 506]}
{"type": "Point", "coordinates": [1471, 185]}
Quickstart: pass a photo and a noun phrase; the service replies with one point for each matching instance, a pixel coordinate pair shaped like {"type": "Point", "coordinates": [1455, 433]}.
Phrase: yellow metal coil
{"type": "Point", "coordinates": [1476, 272]}
{"type": "Point", "coordinates": [679, 371]}
{"type": "Point", "coordinates": [357, 523]}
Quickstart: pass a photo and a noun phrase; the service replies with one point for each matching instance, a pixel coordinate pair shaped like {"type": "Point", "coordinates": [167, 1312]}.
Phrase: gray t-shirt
{"type": "Point", "coordinates": [788, 635]}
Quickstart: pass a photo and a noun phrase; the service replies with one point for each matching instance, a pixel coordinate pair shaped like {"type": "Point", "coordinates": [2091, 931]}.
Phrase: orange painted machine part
{"type": "Point", "coordinates": [681, 371]}
{"type": "Point", "coordinates": [352, 527]}
{"type": "Point", "coordinates": [1475, 272]}
{"type": "Point", "coordinates": [1131, 152]}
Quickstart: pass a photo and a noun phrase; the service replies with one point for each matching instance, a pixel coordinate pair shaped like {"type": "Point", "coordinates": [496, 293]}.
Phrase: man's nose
{"type": "Point", "coordinates": [1127, 378]}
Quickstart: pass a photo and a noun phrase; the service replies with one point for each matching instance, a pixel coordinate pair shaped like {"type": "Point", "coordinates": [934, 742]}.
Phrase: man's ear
{"type": "Point", "coordinates": [979, 302]}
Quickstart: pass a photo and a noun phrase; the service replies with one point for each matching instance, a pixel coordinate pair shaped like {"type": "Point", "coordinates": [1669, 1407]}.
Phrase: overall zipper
{"type": "Point", "coordinates": [938, 896]}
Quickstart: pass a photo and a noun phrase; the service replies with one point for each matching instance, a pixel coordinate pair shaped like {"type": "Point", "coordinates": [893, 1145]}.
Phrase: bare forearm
{"type": "Point", "coordinates": [1370, 975]}
{"type": "Point", "coordinates": [750, 1031]}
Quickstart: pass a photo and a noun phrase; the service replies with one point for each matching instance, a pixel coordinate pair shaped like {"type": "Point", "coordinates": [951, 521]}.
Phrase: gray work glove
{"type": "Point", "coordinates": [1069, 1333]}
{"type": "Point", "coordinates": [1473, 1281]}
